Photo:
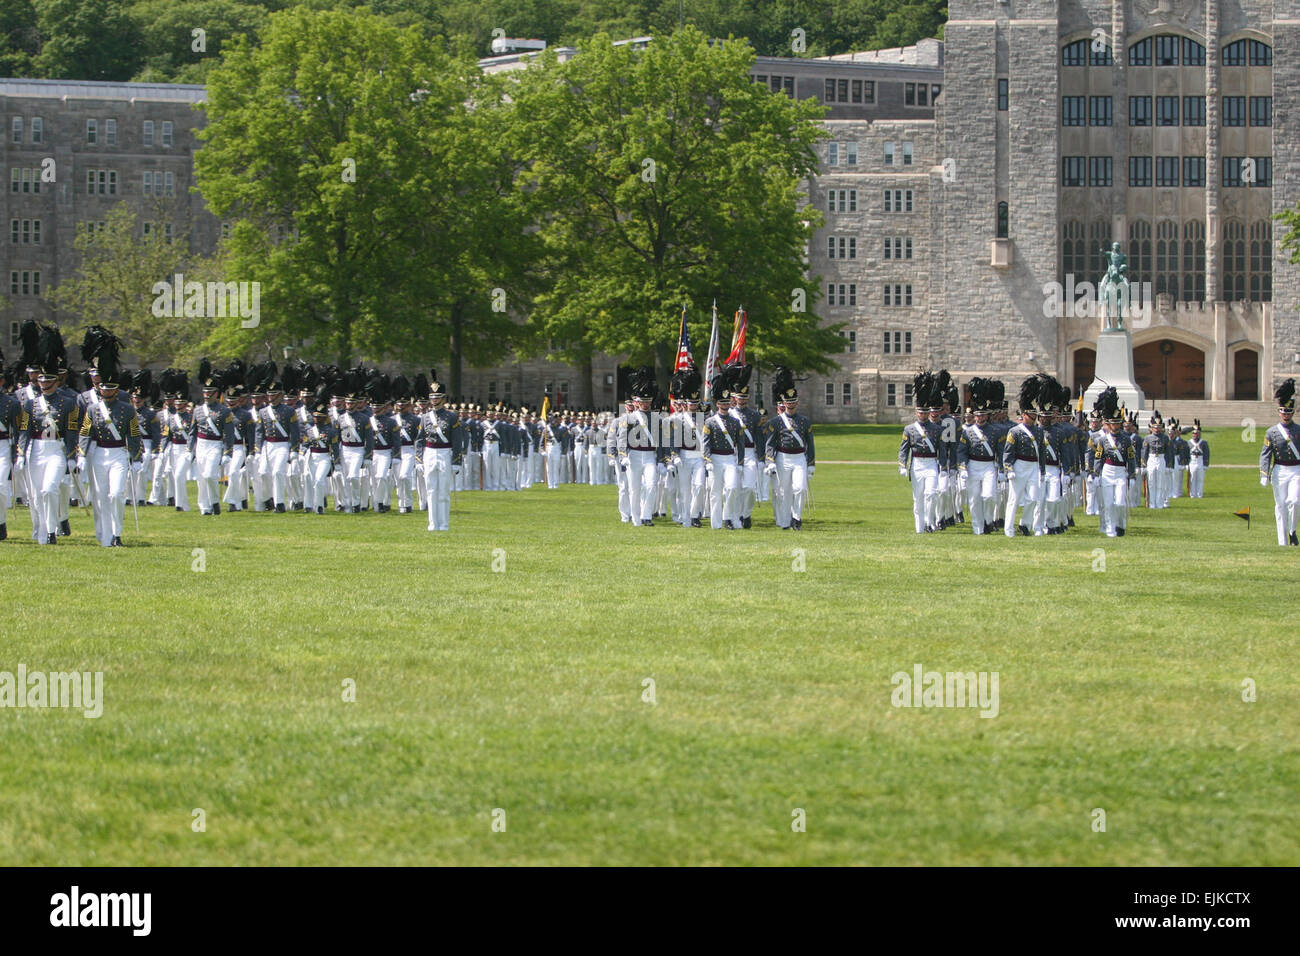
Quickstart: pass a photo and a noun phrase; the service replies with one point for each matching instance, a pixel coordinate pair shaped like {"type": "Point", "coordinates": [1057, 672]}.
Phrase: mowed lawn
{"type": "Point", "coordinates": [522, 690]}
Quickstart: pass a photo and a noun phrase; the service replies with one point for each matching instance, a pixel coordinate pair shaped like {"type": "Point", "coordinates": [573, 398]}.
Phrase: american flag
{"type": "Point", "coordinates": [684, 359]}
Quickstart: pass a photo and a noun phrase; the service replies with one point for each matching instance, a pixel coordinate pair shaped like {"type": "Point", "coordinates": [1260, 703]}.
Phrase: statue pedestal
{"type": "Point", "coordinates": [1115, 368]}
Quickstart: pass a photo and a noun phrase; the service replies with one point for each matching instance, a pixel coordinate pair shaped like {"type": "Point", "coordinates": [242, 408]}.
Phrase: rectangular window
{"type": "Point", "coordinates": [852, 338]}
{"type": "Point", "coordinates": [889, 154]}
{"type": "Point", "coordinates": [1075, 54]}
{"type": "Point", "coordinates": [146, 136]}
{"type": "Point", "coordinates": [907, 200]}
{"type": "Point", "coordinates": [1139, 54]}
{"type": "Point", "coordinates": [851, 154]}
{"type": "Point", "coordinates": [909, 94]}
{"type": "Point", "coordinates": [18, 129]}
{"type": "Point", "coordinates": [1100, 111]}
{"type": "Point", "coordinates": [1167, 50]}
{"type": "Point", "coordinates": [907, 394]}
{"type": "Point", "coordinates": [92, 131]}
{"type": "Point", "coordinates": [1193, 53]}
{"type": "Point", "coordinates": [14, 179]}
{"type": "Point", "coordinates": [13, 230]}
{"type": "Point", "coordinates": [148, 183]}
{"type": "Point", "coordinates": [1193, 110]}
{"type": "Point", "coordinates": [891, 395]}
{"type": "Point", "coordinates": [1231, 171]}
{"type": "Point", "coordinates": [846, 393]}
{"type": "Point", "coordinates": [888, 299]}
{"type": "Point", "coordinates": [1194, 171]}
{"type": "Point", "coordinates": [1002, 93]}
{"type": "Point", "coordinates": [907, 343]}
{"type": "Point", "coordinates": [1166, 170]}
{"type": "Point", "coordinates": [1139, 111]}
{"type": "Point", "coordinates": [38, 129]}
{"type": "Point", "coordinates": [1234, 111]}
{"type": "Point", "coordinates": [907, 154]}
{"type": "Point", "coordinates": [1261, 54]}
{"type": "Point", "coordinates": [855, 91]}
{"type": "Point", "coordinates": [1166, 111]}
{"type": "Point", "coordinates": [110, 132]}
{"type": "Point", "coordinates": [1261, 111]}
{"type": "Point", "coordinates": [1073, 170]}
{"type": "Point", "coordinates": [907, 295]}
{"type": "Point", "coordinates": [1072, 111]}
{"type": "Point", "coordinates": [167, 132]}
{"type": "Point", "coordinates": [169, 184]}
{"type": "Point", "coordinates": [492, 391]}
{"type": "Point", "coordinates": [112, 182]}
{"type": "Point", "coordinates": [1100, 169]}
{"type": "Point", "coordinates": [167, 232]}
{"type": "Point", "coordinates": [832, 154]}
{"type": "Point", "coordinates": [1263, 173]}
{"type": "Point", "coordinates": [907, 248]}
{"type": "Point", "coordinates": [830, 393]}
{"type": "Point", "coordinates": [842, 90]}
{"type": "Point", "coordinates": [225, 230]}
{"type": "Point", "coordinates": [1139, 170]}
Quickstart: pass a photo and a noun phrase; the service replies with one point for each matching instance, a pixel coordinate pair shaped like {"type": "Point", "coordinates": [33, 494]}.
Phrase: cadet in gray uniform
{"type": "Point", "coordinates": [1198, 452]}
{"type": "Point", "coordinates": [109, 444]}
{"type": "Point", "coordinates": [1022, 460]}
{"type": "Point", "coordinates": [791, 457]}
{"type": "Point", "coordinates": [1279, 464]}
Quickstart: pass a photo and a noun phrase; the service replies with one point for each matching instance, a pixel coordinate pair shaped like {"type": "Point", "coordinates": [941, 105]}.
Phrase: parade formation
{"type": "Point", "coordinates": [1050, 462]}
{"type": "Point", "coordinates": [288, 439]}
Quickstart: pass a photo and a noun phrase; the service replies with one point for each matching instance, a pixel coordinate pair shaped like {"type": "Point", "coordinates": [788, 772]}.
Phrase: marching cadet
{"type": "Point", "coordinates": [10, 409]}
{"type": "Point", "coordinates": [384, 433]}
{"type": "Point", "coordinates": [356, 438]}
{"type": "Point", "coordinates": [1022, 460]}
{"type": "Point", "coordinates": [406, 424]}
{"type": "Point", "coordinates": [47, 436]}
{"type": "Point", "coordinates": [1092, 435]}
{"type": "Point", "coordinates": [918, 457]}
{"type": "Point", "coordinates": [320, 447]}
{"type": "Point", "coordinates": [638, 448]}
{"type": "Point", "coordinates": [175, 437]}
{"type": "Point", "coordinates": [1048, 517]}
{"type": "Point", "coordinates": [109, 443]}
{"type": "Point", "coordinates": [1279, 464]}
{"type": "Point", "coordinates": [1113, 460]}
{"type": "Point", "coordinates": [949, 433]}
{"type": "Point", "coordinates": [999, 425]}
{"type": "Point", "coordinates": [611, 456]}
{"type": "Point", "coordinates": [70, 481]}
{"type": "Point", "coordinates": [791, 458]}
{"type": "Point", "coordinates": [492, 451]}
{"type": "Point", "coordinates": [1198, 453]}
{"type": "Point", "coordinates": [209, 439]}
{"type": "Point", "coordinates": [552, 448]}
{"type": "Point", "coordinates": [1158, 455]}
{"type": "Point", "coordinates": [1182, 457]}
{"type": "Point", "coordinates": [755, 458]}
{"type": "Point", "coordinates": [141, 383]}
{"type": "Point", "coordinates": [976, 458]}
{"type": "Point", "coordinates": [276, 437]}
{"type": "Point", "coordinates": [722, 440]}
{"type": "Point", "coordinates": [442, 441]}
{"type": "Point", "coordinates": [687, 467]}
{"type": "Point", "coordinates": [1136, 482]}
{"type": "Point", "coordinates": [239, 438]}
{"type": "Point", "coordinates": [596, 471]}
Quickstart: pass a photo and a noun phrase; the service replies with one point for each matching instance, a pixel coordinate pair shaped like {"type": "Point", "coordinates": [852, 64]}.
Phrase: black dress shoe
{"type": "Point", "coordinates": [116, 542]}
{"type": "Point", "coordinates": [139, 502]}
{"type": "Point", "coordinates": [179, 508]}
{"type": "Point", "coordinates": [797, 523]}
{"type": "Point", "coordinates": [1023, 530]}
{"type": "Point", "coordinates": [1070, 523]}
{"type": "Point", "coordinates": [747, 522]}
{"type": "Point", "coordinates": [279, 509]}
{"type": "Point", "coordinates": [268, 504]}
{"type": "Point", "coordinates": [65, 528]}
{"type": "Point", "coordinates": [4, 531]}
{"type": "Point", "coordinates": [1119, 532]}
{"type": "Point", "coordinates": [171, 502]}
{"type": "Point", "coordinates": [320, 509]}
{"type": "Point", "coordinates": [51, 539]}
{"type": "Point", "coordinates": [648, 523]}
{"type": "Point", "coordinates": [961, 517]}
{"type": "Point", "coordinates": [216, 509]}
{"type": "Point", "coordinates": [695, 523]}
{"type": "Point", "coordinates": [1293, 538]}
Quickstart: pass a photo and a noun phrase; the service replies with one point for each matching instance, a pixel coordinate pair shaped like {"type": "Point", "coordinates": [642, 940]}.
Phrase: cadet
{"type": "Point", "coordinates": [791, 459]}
{"type": "Point", "coordinates": [1182, 457]}
{"type": "Point", "coordinates": [109, 444]}
{"type": "Point", "coordinates": [1198, 451]}
{"type": "Point", "coordinates": [210, 439]}
{"type": "Point", "coordinates": [687, 467]}
{"type": "Point", "coordinates": [1022, 460]}
{"type": "Point", "coordinates": [1158, 455]}
{"type": "Point", "coordinates": [9, 412]}
{"type": "Point", "coordinates": [175, 436]}
{"type": "Point", "coordinates": [1279, 463]}
{"type": "Point", "coordinates": [918, 456]}
{"type": "Point", "coordinates": [755, 456]}
{"type": "Point", "coordinates": [638, 449]}
{"type": "Point", "coordinates": [320, 447]}
{"type": "Point", "coordinates": [976, 460]}
{"type": "Point", "coordinates": [47, 436]}
{"type": "Point", "coordinates": [722, 445]}
{"type": "Point", "coordinates": [442, 441]}
{"type": "Point", "coordinates": [1111, 458]}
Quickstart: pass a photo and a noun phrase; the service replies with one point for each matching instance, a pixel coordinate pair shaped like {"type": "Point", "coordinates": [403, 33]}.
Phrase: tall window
{"type": "Point", "coordinates": [1167, 50]}
{"type": "Point", "coordinates": [1232, 171]}
{"type": "Point", "coordinates": [1193, 110]}
{"type": "Point", "coordinates": [1002, 93]}
{"type": "Point", "coordinates": [1166, 171]}
{"type": "Point", "coordinates": [1167, 258]}
{"type": "Point", "coordinates": [1166, 111]}
{"type": "Point", "coordinates": [1072, 111]}
{"type": "Point", "coordinates": [1004, 224]}
{"type": "Point", "coordinates": [1194, 171]}
{"type": "Point", "coordinates": [1073, 253]}
{"type": "Point", "coordinates": [1234, 260]}
{"type": "Point", "coordinates": [1261, 261]}
{"type": "Point", "coordinates": [92, 131]}
{"type": "Point", "coordinates": [1194, 261]}
{"type": "Point", "coordinates": [1139, 251]}
{"type": "Point", "coordinates": [110, 132]}
{"type": "Point", "coordinates": [1100, 169]}
{"type": "Point", "coordinates": [1234, 111]}
{"type": "Point", "coordinates": [1100, 111]}
{"type": "Point", "coordinates": [17, 126]}
{"type": "Point", "coordinates": [167, 130]}
{"type": "Point", "coordinates": [1193, 53]}
{"type": "Point", "coordinates": [1098, 244]}
{"type": "Point", "coordinates": [1073, 170]}
{"type": "Point", "coordinates": [1261, 111]}
{"type": "Point", "coordinates": [1139, 170]}
{"type": "Point", "coordinates": [889, 154]}
{"type": "Point", "coordinates": [1139, 54]}
{"type": "Point", "coordinates": [1139, 111]}
{"type": "Point", "coordinates": [147, 135]}
{"type": "Point", "coordinates": [38, 129]}
{"type": "Point", "coordinates": [1261, 54]}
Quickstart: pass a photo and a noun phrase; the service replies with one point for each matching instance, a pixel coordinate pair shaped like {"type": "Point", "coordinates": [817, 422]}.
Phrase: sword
{"type": "Point", "coordinates": [81, 492]}
{"type": "Point", "coordinates": [135, 509]}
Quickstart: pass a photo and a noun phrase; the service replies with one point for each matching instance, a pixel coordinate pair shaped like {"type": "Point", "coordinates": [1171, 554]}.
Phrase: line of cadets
{"type": "Point", "coordinates": [1044, 466]}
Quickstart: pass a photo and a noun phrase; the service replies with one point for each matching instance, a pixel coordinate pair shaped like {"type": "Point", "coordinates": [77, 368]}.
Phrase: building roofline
{"type": "Point", "coordinates": [103, 90]}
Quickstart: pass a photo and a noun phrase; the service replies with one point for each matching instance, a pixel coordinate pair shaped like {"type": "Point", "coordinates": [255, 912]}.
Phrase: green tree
{"type": "Point", "coordinates": [86, 40]}
{"type": "Point", "coordinates": [366, 186]}
{"type": "Point", "coordinates": [19, 38]}
{"type": "Point", "coordinates": [114, 285]}
{"type": "Point", "coordinates": [667, 177]}
{"type": "Point", "coordinates": [167, 30]}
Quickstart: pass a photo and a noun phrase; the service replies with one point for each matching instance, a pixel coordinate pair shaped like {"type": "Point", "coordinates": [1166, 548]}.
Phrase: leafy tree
{"type": "Point", "coordinates": [668, 178]}
{"type": "Point", "coordinates": [167, 30]}
{"type": "Point", "coordinates": [86, 40]}
{"type": "Point", "coordinates": [19, 38]}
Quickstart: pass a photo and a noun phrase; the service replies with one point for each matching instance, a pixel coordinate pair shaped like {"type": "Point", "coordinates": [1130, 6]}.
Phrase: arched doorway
{"type": "Point", "coordinates": [1245, 372]}
{"type": "Point", "coordinates": [1167, 369]}
{"type": "Point", "coordinates": [1085, 367]}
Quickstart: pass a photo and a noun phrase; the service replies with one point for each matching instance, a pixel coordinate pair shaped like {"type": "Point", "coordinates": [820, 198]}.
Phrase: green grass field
{"type": "Point", "coordinates": [522, 689]}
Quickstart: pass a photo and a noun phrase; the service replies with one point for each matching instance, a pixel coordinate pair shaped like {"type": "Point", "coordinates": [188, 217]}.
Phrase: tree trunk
{"type": "Point", "coordinates": [584, 396]}
{"type": "Point", "coordinates": [457, 347]}
{"type": "Point", "coordinates": [665, 359]}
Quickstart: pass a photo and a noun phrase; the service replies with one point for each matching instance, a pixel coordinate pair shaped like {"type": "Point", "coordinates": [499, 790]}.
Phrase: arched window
{"type": "Point", "coordinates": [1098, 244]}
{"type": "Point", "coordinates": [1004, 221]}
{"type": "Point", "coordinates": [1167, 258]}
{"type": "Point", "coordinates": [1194, 261]}
{"type": "Point", "coordinates": [1261, 262]}
{"type": "Point", "coordinates": [1139, 251]}
{"type": "Point", "coordinates": [1244, 52]}
{"type": "Point", "coordinates": [1072, 253]}
{"type": "Point", "coordinates": [1234, 262]}
{"type": "Point", "coordinates": [1075, 54]}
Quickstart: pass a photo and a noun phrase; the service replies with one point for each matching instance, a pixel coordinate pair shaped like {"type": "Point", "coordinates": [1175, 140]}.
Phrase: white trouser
{"type": "Point", "coordinates": [236, 475]}
{"type": "Point", "coordinates": [437, 478]}
{"type": "Point", "coordinates": [1286, 500]}
{"type": "Point", "coordinates": [1197, 479]}
{"type": "Point", "coordinates": [726, 485]}
{"type": "Point", "coordinates": [595, 473]}
{"type": "Point", "coordinates": [257, 479]}
{"type": "Point", "coordinates": [46, 465]}
{"type": "Point", "coordinates": [491, 465]}
{"type": "Point", "coordinates": [553, 467]}
{"type": "Point", "coordinates": [6, 484]}
{"type": "Point", "coordinates": [749, 473]}
{"type": "Point", "coordinates": [1176, 481]}
{"type": "Point", "coordinates": [1091, 484]}
{"type": "Point", "coordinates": [691, 495]}
{"type": "Point", "coordinates": [381, 467]}
{"type": "Point", "coordinates": [624, 502]}
{"type": "Point", "coordinates": [1025, 487]}
{"type": "Point", "coordinates": [1157, 487]}
{"type": "Point", "coordinates": [108, 468]}
{"type": "Point", "coordinates": [981, 493]}
{"type": "Point", "coordinates": [352, 460]}
{"type": "Point", "coordinates": [179, 456]}
{"type": "Point", "coordinates": [1113, 486]}
{"type": "Point", "coordinates": [1048, 513]}
{"type": "Point", "coordinates": [207, 471]}
{"type": "Point", "coordinates": [276, 476]}
{"type": "Point", "coordinates": [316, 487]}
{"type": "Point", "coordinates": [792, 487]}
{"type": "Point", "coordinates": [925, 493]}
{"type": "Point", "coordinates": [405, 474]}
{"type": "Point", "coordinates": [641, 490]}
{"type": "Point", "coordinates": [580, 463]}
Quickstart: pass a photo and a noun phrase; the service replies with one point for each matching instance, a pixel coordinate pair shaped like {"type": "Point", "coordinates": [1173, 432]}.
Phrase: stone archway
{"type": "Point", "coordinates": [1169, 369]}
{"type": "Point", "coordinates": [1245, 374]}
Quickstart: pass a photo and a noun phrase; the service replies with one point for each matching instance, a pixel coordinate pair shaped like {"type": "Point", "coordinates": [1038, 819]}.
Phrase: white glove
{"type": "Point", "coordinates": [225, 460]}
{"type": "Point", "coordinates": [770, 471]}
{"type": "Point", "coordinates": [81, 464]}
{"type": "Point", "coordinates": [961, 470]}
{"type": "Point", "coordinates": [811, 470]}
{"type": "Point", "coordinates": [455, 469]}
{"type": "Point", "coordinates": [672, 471]}
{"type": "Point", "coordinates": [1263, 480]}
{"type": "Point", "coordinates": [137, 466]}
{"type": "Point", "coordinates": [708, 469]}
{"type": "Point", "coordinates": [622, 463]}
{"type": "Point", "coordinates": [902, 471]}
